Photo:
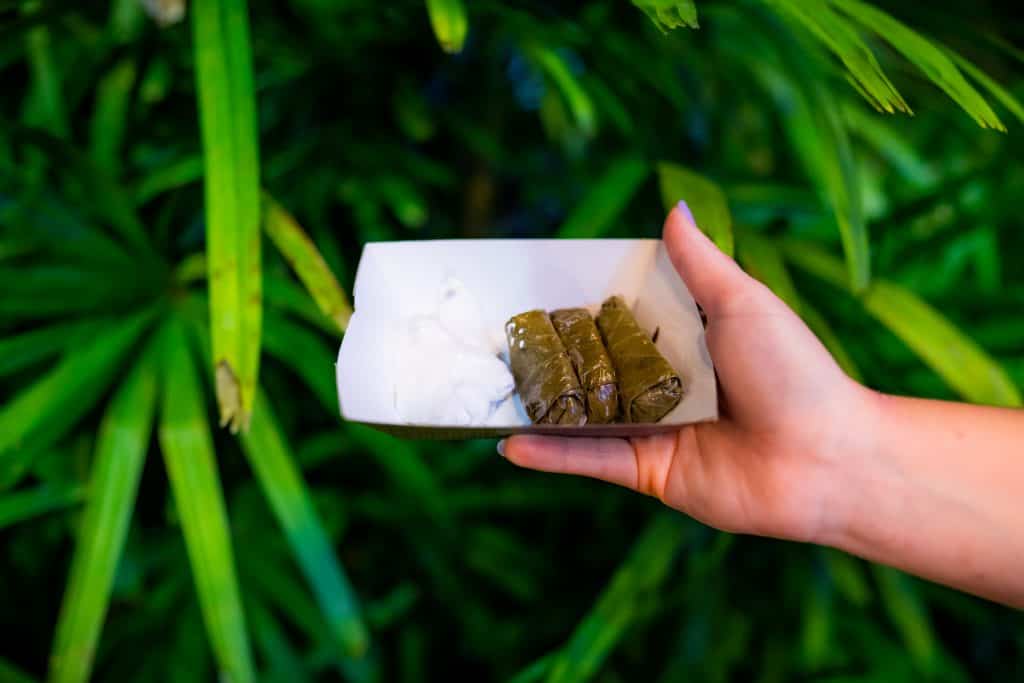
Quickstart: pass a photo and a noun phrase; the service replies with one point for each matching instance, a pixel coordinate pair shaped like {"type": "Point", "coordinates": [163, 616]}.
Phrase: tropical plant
{"type": "Point", "coordinates": [184, 191]}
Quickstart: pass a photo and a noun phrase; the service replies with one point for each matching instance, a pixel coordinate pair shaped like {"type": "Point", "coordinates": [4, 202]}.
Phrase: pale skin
{"type": "Point", "coordinates": [804, 453]}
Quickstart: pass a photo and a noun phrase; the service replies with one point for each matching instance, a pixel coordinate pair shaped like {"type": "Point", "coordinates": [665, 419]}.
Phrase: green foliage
{"type": "Point", "coordinates": [448, 19]}
{"type": "Point", "coordinates": [706, 200]}
{"type": "Point", "coordinates": [670, 14]}
{"type": "Point", "coordinates": [120, 452]}
{"type": "Point", "coordinates": [276, 471]}
{"type": "Point", "coordinates": [130, 239]}
{"type": "Point", "coordinates": [188, 453]}
{"type": "Point", "coordinates": [840, 36]}
{"type": "Point", "coordinates": [638, 579]}
{"type": "Point", "coordinates": [926, 56]}
{"type": "Point", "coordinates": [307, 262]}
{"type": "Point", "coordinates": [606, 200]}
{"type": "Point", "coordinates": [230, 149]}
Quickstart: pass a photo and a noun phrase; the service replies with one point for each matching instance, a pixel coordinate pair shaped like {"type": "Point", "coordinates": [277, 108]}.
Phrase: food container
{"type": "Point", "coordinates": [399, 282]}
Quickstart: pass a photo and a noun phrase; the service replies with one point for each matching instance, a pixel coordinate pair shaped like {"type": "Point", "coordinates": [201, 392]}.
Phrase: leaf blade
{"type": "Point", "coordinates": [227, 112]}
{"type": "Point", "coordinates": [120, 453]}
{"type": "Point", "coordinates": [307, 262]}
{"type": "Point", "coordinates": [450, 24]}
{"type": "Point", "coordinates": [268, 453]}
{"type": "Point", "coordinates": [572, 92]}
{"type": "Point", "coordinates": [606, 200]}
{"type": "Point", "coordinates": [21, 505]}
{"type": "Point", "coordinates": [705, 198]}
{"type": "Point", "coordinates": [952, 354]}
{"type": "Point", "coordinates": [63, 395]}
{"type": "Point", "coordinates": [669, 14]}
{"type": "Point", "coordinates": [929, 58]}
{"type": "Point", "coordinates": [999, 92]}
{"type": "Point", "coordinates": [188, 453]}
{"type": "Point", "coordinates": [641, 573]}
{"type": "Point", "coordinates": [841, 37]}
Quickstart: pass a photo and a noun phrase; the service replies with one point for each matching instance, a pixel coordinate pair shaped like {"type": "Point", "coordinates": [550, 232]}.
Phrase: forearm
{"type": "Point", "coordinates": [937, 489]}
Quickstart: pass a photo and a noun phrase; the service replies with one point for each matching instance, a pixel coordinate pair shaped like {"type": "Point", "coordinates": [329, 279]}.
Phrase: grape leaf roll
{"type": "Point", "coordinates": [649, 387]}
{"type": "Point", "coordinates": [544, 375]}
{"type": "Point", "coordinates": [578, 332]}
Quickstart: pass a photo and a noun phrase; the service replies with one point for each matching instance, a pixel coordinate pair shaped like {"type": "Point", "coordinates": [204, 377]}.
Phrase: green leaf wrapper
{"type": "Point", "coordinates": [582, 341]}
{"type": "Point", "coordinates": [544, 376]}
{"type": "Point", "coordinates": [648, 385]}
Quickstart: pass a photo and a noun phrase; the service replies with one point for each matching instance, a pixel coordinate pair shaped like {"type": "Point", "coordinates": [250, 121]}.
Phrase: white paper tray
{"type": "Point", "coordinates": [396, 280]}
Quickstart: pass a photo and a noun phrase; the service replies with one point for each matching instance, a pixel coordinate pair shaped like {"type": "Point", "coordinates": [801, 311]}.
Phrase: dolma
{"type": "Point", "coordinates": [582, 341]}
{"type": "Point", "coordinates": [648, 385]}
{"type": "Point", "coordinates": [544, 376]}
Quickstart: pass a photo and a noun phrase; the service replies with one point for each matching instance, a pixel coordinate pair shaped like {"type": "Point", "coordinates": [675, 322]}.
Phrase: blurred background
{"type": "Point", "coordinates": [184, 192]}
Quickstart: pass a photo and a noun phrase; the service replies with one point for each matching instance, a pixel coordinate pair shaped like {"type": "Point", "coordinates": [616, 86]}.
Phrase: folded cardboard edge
{"type": "Point", "coordinates": [444, 433]}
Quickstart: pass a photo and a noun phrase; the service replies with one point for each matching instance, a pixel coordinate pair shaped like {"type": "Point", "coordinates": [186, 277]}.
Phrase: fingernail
{"type": "Point", "coordinates": [501, 448]}
{"type": "Point", "coordinates": [686, 210]}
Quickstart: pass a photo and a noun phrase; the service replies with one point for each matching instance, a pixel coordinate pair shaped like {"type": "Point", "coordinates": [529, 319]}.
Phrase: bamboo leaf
{"type": "Point", "coordinates": [575, 97]}
{"type": "Point", "coordinates": [120, 453]}
{"type": "Point", "coordinates": [15, 465]}
{"type": "Point", "coordinates": [669, 14]}
{"type": "Point", "coordinates": [48, 94]}
{"type": "Point", "coordinates": [448, 19]}
{"type": "Point", "coordinates": [824, 147]}
{"type": "Point", "coordinates": [21, 505]}
{"type": "Point", "coordinates": [902, 602]}
{"type": "Point", "coordinates": [705, 198]}
{"type": "Point", "coordinates": [964, 365]}
{"type": "Point", "coordinates": [169, 176]}
{"type": "Point", "coordinates": [227, 112]}
{"type": "Point", "coordinates": [188, 454]}
{"type": "Point", "coordinates": [47, 408]}
{"type": "Point", "coordinates": [816, 131]}
{"type": "Point", "coordinates": [884, 139]}
{"type": "Point", "coordinates": [606, 200]}
{"type": "Point", "coordinates": [961, 363]}
{"type": "Point", "coordinates": [110, 115]}
{"type": "Point", "coordinates": [928, 57]}
{"type": "Point", "coordinates": [34, 346]}
{"type": "Point", "coordinates": [282, 483]}
{"type": "Point", "coordinates": [839, 35]}
{"type": "Point", "coordinates": [818, 627]}
{"type": "Point", "coordinates": [42, 291]}
{"type": "Point", "coordinates": [640, 576]}
{"type": "Point", "coordinates": [536, 670]}
{"type": "Point", "coordinates": [305, 259]}
{"type": "Point", "coordinates": [988, 83]}
{"type": "Point", "coordinates": [848, 577]}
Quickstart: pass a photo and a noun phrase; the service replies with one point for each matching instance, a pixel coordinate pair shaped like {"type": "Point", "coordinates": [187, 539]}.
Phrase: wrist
{"type": "Point", "coordinates": [850, 456]}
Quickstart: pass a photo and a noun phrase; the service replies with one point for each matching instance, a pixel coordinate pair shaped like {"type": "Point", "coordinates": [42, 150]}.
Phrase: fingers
{"type": "Point", "coordinates": [641, 464]}
{"type": "Point", "coordinates": [710, 275]}
{"type": "Point", "coordinates": [610, 460]}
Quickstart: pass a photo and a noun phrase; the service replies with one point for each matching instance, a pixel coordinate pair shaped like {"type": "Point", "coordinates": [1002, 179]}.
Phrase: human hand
{"type": "Point", "coordinates": [788, 413]}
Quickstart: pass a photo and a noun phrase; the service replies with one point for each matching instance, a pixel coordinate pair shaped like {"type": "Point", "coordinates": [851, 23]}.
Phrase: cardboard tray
{"type": "Point", "coordinates": [397, 280]}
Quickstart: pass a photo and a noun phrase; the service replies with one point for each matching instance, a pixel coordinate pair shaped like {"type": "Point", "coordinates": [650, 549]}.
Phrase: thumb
{"type": "Point", "coordinates": [711, 276]}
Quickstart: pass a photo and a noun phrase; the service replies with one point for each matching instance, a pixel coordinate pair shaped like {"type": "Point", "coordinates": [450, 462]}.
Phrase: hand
{"type": "Point", "coordinates": [788, 413]}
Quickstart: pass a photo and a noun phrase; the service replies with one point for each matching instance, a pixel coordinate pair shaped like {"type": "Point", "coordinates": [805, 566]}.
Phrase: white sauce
{"type": "Point", "coordinates": [449, 366]}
